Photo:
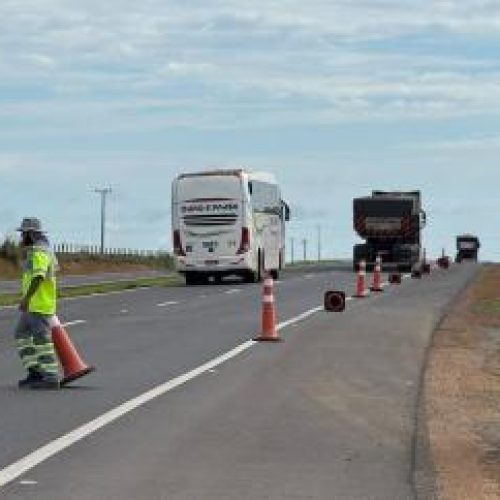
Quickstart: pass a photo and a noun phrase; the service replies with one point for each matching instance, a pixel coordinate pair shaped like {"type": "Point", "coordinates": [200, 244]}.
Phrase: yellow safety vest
{"type": "Point", "coordinates": [40, 261]}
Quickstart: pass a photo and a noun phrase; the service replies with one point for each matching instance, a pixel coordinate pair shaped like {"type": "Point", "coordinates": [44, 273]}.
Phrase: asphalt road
{"type": "Point", "coordinates": [329, 413]}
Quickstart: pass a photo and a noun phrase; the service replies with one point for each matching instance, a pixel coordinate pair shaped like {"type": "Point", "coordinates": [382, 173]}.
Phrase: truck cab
{"type": "Point", "coordinates": [467, 247]}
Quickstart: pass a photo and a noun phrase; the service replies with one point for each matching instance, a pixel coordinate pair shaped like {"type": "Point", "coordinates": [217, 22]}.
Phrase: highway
{"type": "Point", "coordinates": [329, 413]}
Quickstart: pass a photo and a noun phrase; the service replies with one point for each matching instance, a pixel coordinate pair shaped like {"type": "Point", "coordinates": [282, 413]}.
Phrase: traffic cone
{"type": "Point", "coordinates": [269, 332]}
{"type": "Point", "coordinates": [377, 276]}
{"type": "Point", "coordinates": [361, 291]}
{"type": "Point", "coordinates": [443, 261]}
{"type": "Point", "coordinates": [72, 364]}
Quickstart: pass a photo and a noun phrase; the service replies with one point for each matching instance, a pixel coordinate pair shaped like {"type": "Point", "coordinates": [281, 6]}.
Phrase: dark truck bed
{"type": "Point", "coordinates": [390, 223]}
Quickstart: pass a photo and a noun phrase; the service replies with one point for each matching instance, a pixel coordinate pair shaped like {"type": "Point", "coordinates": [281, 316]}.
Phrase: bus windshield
{"type": "Point", "coordinates": [209, 187]}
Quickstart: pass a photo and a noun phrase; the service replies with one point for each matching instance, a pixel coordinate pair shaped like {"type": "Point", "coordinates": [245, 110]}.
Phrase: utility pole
{"type": "Point", "coordinates": [292, 249]}
{"type": "Point", "coordinates": [319, 243]}
{"type": "Point", "coordinates": [304, 244]}
{"type": "Point", "coordinates": [104, 193]}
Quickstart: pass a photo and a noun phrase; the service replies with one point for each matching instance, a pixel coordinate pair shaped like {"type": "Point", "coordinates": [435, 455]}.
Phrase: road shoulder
{"type": "Point", "coordinates": [460, 408]}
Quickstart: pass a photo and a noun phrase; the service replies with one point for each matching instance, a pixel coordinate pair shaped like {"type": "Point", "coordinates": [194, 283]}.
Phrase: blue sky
{"type": "Point", "coordinates": [335, 97]}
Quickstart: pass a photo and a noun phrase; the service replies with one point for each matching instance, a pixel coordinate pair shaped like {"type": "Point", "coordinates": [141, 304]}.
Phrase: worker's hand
{"type": "Point", "coordinates": [23, 305]}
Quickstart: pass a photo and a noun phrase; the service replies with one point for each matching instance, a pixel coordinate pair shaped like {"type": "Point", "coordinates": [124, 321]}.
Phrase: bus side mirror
{"type": "Point", "coordinates": [286, 210]}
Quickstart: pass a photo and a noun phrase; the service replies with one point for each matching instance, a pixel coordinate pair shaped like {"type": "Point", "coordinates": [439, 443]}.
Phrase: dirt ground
{"type": "Point", "coordinates": [462, 394]}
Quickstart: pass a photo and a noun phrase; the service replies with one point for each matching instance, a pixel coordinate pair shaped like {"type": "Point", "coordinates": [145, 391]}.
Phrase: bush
{"type": "Point", "coordinates": [10, 251]}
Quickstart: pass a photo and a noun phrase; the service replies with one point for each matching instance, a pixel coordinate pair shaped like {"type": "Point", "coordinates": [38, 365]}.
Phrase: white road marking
{"type": "Point", "coordinates": [169, 303]}
{"type": "Point", "coordinates": [17, 469]}
{"type": "Point", "coordinates": [233, 291]}
{"type": "Point", "coordinates": [124, 311]}
{"type": "Point", "coordinates": [28, 482]}
{"type": "Point", "coordinates": [300, 317]}
{"type": "Point", "coordinates": [74, 323]}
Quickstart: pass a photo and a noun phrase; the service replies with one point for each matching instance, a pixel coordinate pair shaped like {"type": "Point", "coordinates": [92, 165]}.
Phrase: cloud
{"type": "Point", "coordinates": [235, 64]}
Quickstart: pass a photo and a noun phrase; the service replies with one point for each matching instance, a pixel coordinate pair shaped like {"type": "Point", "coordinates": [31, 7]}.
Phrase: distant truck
{"type": "Point", "coordinates": [467, 247]}
{"type": "Point", "coordinates": [391, 223]}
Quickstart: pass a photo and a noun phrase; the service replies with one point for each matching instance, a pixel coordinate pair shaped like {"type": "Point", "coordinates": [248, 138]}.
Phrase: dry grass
{"type": "Point", "coordinates": [462, 394]}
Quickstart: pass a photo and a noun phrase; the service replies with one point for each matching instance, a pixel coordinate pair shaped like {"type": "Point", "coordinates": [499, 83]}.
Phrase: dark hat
{"type": "Point", "coordinates": [31, 224]}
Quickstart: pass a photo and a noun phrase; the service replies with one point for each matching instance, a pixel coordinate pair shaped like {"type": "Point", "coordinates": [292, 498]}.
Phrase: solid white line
{"type": "Point", "coordinates": [17, 469]}
{"type": "Point", "coordinates": [35, 458]}
{"type": "Point", "coordinates": [170, 303]}
{"type": "Point", "coordinates": [300, 317]}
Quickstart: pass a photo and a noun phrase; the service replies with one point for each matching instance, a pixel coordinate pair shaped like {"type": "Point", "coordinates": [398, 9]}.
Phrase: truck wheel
{"type": "Point", "coordinates": [191, 279]}
{"type": "Point", "coordinates": [261, 271]}
{"type": "Point", "coordinates": [250, 277]}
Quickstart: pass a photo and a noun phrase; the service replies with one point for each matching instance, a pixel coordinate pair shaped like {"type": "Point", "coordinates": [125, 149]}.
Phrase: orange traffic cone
{"type": "Point", "coordinates": [361, 291]}
{"type": "Point", "coordinates": [73, 366]}
{"type": "Point", "coordinates": [377, 276]}
{"type": "Point", "coordinates": [269, 332]}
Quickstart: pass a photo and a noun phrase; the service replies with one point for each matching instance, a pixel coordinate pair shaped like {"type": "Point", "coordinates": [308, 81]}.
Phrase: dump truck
{"type": "Point", "coordinates": [467, 247]}
{"type": "Point", "coordinates": [391, 224]}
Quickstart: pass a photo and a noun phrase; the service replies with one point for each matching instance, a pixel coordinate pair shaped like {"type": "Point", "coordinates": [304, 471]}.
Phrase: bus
{"type": "Point", "coordinates": [228, 222]}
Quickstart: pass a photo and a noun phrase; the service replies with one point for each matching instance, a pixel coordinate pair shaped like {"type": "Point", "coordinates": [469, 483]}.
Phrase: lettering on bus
{"type": "Point", "coordinates": [209, 207]}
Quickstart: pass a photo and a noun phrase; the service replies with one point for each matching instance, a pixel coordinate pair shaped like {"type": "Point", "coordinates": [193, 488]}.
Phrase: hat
{"type": "Point", "coordinates": [31, 224]}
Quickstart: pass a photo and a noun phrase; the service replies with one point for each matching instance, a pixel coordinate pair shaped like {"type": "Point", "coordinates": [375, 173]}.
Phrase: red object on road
{"type": "Point", "coordinates": [72, 364]}
{"type": "Point", "coordinates": [269, 331]}
{"type": "Point", "coordinates": [395, 278]}
{"type": "Point", "coordinates": [334, 301]}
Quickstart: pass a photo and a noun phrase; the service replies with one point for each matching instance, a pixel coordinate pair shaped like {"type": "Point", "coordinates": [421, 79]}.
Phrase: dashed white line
{"type": "Point", "coordinates": [232, 291]}
{"type": "Point", "coordinates": [74, 323]}
{"type": "Point", "coordinates": [169, 303]}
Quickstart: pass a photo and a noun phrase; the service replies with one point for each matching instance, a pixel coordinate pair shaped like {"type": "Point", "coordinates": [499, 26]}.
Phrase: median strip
{"type": "Point", "coordinates": [108, 287]}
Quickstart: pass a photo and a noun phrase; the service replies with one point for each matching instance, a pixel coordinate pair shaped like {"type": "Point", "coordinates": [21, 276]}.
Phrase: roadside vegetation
{"type": "Point", "coordinates": [462, 396]}
{"type": "Point", "coordinates": [84, 260]}
{"type": "Point", "coordinates": [10, 299]}
{"type": "Point", "coordinates": [86, 263]}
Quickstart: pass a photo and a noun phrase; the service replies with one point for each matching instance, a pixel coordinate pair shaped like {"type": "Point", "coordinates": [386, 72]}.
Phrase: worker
{"type": "Point", "coordinates": [37, 306]}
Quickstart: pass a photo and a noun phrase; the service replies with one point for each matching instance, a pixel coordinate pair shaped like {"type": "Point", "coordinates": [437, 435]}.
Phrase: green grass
{"type": "Point", "coordinates": [10, 299]}
{"type": "Point", "coordinates": [489, 306]}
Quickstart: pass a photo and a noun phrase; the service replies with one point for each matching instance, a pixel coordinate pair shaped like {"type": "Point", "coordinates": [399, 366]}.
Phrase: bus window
{"type": "Point", "coordinates": [265, 197]}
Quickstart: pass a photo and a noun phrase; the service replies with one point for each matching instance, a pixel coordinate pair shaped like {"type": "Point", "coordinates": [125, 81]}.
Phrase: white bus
{"type": "Point", "coordinates": [228, 222]}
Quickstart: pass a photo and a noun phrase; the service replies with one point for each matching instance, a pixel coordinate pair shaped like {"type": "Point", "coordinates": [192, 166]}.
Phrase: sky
{"type": "Point", "coordinates": [335, 97]}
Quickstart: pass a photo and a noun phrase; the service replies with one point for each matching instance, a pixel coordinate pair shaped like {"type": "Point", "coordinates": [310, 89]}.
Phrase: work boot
{"type": "Point", "coordinates": [45, 383]}
{"type": "Point", "coordinates": [33, 376]}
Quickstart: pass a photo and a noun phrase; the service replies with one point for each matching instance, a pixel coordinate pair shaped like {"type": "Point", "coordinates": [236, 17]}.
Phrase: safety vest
{"type": "Point", "coordinates": [40, 261]}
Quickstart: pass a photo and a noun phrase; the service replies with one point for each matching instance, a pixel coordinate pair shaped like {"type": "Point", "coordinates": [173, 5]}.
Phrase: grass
{"type": "Point", "coordinates": [489, 307]}
{"type": "Point", "coordinates": [10, 299]}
